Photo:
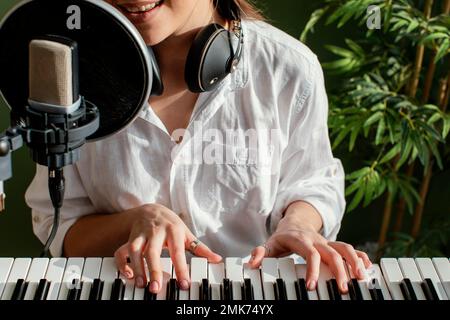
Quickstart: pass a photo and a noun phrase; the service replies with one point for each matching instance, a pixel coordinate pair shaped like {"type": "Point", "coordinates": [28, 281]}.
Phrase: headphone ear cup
{"type": "Point", "coordinates": [208, 59]}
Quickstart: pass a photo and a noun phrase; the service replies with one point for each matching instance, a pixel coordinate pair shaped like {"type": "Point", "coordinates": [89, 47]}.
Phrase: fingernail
{"type": "Point", "coordinates": [184, 284]}
{"type": "Point", "coordinates": [128, 274]}
{"type": "Point", "coordinates": [140, 282]}
{"type": "Point", "coordinates": [312, 285]}
{"type": "Point", "coordinates": [154, 286]}
{"type": "Point", "coordinates": [344, 286]}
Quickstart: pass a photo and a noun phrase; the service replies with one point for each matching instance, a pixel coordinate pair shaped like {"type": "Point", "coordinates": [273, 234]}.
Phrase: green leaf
{"type": "Point", "coordinates": [404, 154]}
{"type": "Point", "coordinates": [446, 127]}
{"type": "Point", "coordinates": [353, 137]}
{"type": "Point", "coordinates": [340, 51]}
{"type": "Point", "coordinates": [443, 50]}
{"type": "Point", "coordinates": [434, 36]}
{"type": "Point", "coordinates": [380, 131]}
{"type": "Point", "coordinates": [373, 118]}
{"type": "Point", "coordinates": [315, 17]}
{"type": "Point", "coordinates": [356, 200]}
{"type": "Point", "coordinates": [436, 154]}
{"type": "Point", "coordinates": [341, 136]}
{"type": "Point", "coordinates": [358, 173]}
{"type": "Point", "coordinates": [391, 154]}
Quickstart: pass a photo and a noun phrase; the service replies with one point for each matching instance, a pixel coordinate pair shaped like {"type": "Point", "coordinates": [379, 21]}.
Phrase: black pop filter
{"type": "Point", "coordinates": [117, 70]}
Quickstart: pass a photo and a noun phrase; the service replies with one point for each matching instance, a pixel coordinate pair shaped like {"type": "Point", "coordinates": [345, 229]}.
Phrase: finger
{"type": "Point", "coordinates": [348, 252]}
{"type": "Point", "coordinates": [153, 257]}
{"type": "Point", "coordinates": [135, 248]}
{"type": "Point", "coordinates": [178, 255]}
{"type": "Point", "coordinates": [121, 259]}
{"type": "Point", "coordinates": [365, 258]}
{"type": "Point", "coordinates": [257, 256]}
{"type": "Point", "coordinates": [202, 250]}
{"type": "Point", "coordinates": [312, 268]}
{"type": "Point", "coordinates": [334, 261]}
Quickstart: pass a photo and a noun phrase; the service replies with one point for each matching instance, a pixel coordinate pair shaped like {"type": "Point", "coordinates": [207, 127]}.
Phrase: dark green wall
{"type": "Point", "coordinates": [16, 236]}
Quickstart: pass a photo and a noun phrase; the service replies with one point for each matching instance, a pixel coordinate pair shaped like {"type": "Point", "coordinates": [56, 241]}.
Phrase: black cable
{"type": "Point", "coordinates": [45, 252]}
{"type": "Point", "coordinates": [56, 187]}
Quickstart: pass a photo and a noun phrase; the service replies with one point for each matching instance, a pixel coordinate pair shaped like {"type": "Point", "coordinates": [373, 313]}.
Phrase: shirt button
{"type": "Point", "coordinates": [36, 219]}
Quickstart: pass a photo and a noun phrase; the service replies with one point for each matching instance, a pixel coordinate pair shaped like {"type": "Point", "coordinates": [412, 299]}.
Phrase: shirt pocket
{"type": "Point", "coordinates": [233, 184]}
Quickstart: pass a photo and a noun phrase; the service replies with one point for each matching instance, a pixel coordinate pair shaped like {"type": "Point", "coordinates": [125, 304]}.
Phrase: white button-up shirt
{"type": "Point", "coordinates": [253, 146]}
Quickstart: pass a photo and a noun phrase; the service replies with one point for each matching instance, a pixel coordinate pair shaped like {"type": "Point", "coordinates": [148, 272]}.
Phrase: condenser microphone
{"type": "Point", "coordinates": [53, 76]}
{"type": "Point", "coordinates": [80, 74]}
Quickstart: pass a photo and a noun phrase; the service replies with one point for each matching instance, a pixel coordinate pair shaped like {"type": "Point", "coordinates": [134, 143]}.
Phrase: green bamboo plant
{"type": "Point", "coordinates": [391, 107]}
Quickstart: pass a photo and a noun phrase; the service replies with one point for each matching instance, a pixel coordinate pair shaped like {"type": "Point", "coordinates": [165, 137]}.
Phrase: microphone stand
{"type": "Point", "coordinates": [54, 140]}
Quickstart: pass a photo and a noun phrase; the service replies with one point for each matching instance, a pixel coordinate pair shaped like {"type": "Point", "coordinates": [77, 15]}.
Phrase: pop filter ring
{"type": "Point", "coordinates": [120, 89]}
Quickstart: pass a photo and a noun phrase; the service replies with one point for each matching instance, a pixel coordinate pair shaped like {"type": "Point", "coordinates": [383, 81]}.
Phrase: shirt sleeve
{"type": "Point", "coordinates": [308, 171]}
{"type": "Point", "coordinates": [76, 204]}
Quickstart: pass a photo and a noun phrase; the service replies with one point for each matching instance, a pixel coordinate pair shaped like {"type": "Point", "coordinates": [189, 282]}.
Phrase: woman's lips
{"type": "Point", "coordinates": [142, 12]}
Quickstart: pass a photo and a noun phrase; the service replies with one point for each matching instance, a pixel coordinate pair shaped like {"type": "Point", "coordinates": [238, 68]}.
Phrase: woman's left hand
{"type": "Point", "coordinates": [292, 237]}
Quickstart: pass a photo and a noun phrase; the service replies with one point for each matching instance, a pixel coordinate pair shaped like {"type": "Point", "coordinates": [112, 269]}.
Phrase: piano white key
{"type": "Point", "coordinates": [91, 271]}
{"type": "Point", "coordinates": [5, 268]}
{"type": "Point", "coordinates": [74, 269]}
{"type": "Point", "coordinates": [199, 271]}
{"type": "Point", "coordinates": [375, 273]}
{"type": "Point", "coordinates": [393, 276]}
{"type": "Point", "coordinates": [108, 274]}
{"type": "Point", "coordinates": [255, 277]}
{"type": "Point", "coordinates": [442, 266]}
{"type": "Point", "coordinates": [234, 271]}
{"type": "Point", "coordinates": [54, 275]}
{"type": "Point", "coordinates": [139, 293]}
{"type": "Point", "coordinates": [300, 270]}
{"type": "Point", "coordinates": [183, 294]}
{"type": "Point", "coordinates": [410, 271]}
{"type": "Point", "coordinates": [363, 284]}
{"type": "Point", "coordinates": [427, 271]}
{"type": "Point", "coordinates": [286, 269]}
{"type": "Point", "coordinates": [19, 270]}
{"type": "Point", "coordinates": [129, 288]}
{"type": "Point", "coordinates": [324, 275]}
{"type": "Point", "coordinates": [166, 265]}
{"type": "Point", "coordinates": [269, 275]}
{"type": "Point", "coordinates": [36, 272]}
{"type": "Point", "coordinates": [216, 274]}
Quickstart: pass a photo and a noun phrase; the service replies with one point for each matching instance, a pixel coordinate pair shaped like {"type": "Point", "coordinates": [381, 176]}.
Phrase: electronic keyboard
{"type": "Point", "coordinates": [232, 279]}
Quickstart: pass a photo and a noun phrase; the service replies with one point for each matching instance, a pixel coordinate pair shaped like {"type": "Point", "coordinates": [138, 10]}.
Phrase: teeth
{"type": "Point", "coordinates": [142, 8]}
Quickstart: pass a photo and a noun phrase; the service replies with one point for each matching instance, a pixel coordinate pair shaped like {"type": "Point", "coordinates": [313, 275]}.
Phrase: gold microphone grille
{"type": "Point", "coordinates": [50, 73]}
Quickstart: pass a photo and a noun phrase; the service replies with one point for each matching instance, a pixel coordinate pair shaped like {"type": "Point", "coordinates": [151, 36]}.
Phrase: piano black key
{"type": "Point", "coordinates": [280, 290]}
{"type": "Point", "coordinates": [75, 292]}
{"type": "Point", "coordinates": [42, 290]}
{"type": "Point", "coordinates": [19, 290]}
{"type": "Point", "coordinates": [149, 296]}
{"type": "Point", "coordinates": [376, 294]}
{"type": "Point", "coordinates": [408, 290]}
{"type": "Point", "coordinates": [301, 290]}
{"type": "Point", "coordinates": [247, 292]}
{"type": "Point", "coordinates": [172, 290]}
{"type": "Point", "coordinates": [333, 290]}
{"type": "Point", "coordinates": [354, 290]}
{"type": "Point", "coordinates": [429, 290]}
{"type": "Point", "coordinates": [96, 290]}
{"type": "Point", "coordinates": [204, 290]}
{"type": "Point", "coordinates": [118, 290]}
{"type": "Point", "coordinates": [227, 294]}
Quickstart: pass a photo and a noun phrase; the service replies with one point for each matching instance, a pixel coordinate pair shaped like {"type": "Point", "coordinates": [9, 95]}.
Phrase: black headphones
{"type": "Point", "coordinates": [211, 58]}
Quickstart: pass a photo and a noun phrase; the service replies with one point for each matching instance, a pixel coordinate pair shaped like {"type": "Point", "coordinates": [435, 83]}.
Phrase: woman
{"type": "Point", "coordinates": [146, 189]}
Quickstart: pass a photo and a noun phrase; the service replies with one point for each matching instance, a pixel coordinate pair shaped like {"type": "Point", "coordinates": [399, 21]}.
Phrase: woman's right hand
{"type": "Point", "coordinates": [155, 228]}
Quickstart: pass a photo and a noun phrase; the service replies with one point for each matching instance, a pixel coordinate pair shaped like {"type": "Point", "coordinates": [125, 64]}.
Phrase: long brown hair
{"type": "Point", "coordinates": [231, 9]}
